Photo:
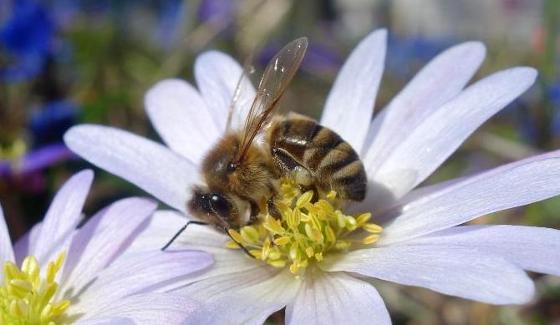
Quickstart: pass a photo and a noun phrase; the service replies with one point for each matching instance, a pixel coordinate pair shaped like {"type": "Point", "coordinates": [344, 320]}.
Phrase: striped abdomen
{"type": "Point", "coordinates": [300, 144]}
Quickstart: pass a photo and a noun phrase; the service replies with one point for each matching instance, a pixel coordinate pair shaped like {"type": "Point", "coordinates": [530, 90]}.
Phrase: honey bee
{"type": "Point", "coordinates": [241, 174]}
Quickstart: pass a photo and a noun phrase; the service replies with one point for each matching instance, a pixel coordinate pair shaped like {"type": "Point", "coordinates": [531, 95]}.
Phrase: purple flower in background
{"type": "Point", "coordinates": [36, 160]}
{"type": "Point", "coordinates": [26, 38]}
{"type": "Point", "coordinates": [423, 241]}
{"type": "Point", "coordinates": [216, 10]}
{"type": "Point", "coordinates": [57, 273]}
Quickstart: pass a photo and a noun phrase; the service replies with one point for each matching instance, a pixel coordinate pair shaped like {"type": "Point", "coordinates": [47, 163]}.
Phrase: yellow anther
{"type": "Point", "coordinates": [250, 234]}
{"type": "Point", "coordinates": [235, 235]}
{"type": "Point", "coordinates": [21, 285]}
{"type": "Point", "coordinates": [281, 241]}
{"type": "Point", "coordinates": [304, 199]}
{"type": "Point", "coordinates": [30, 266]}
{"type": "Point", "coordinates": [232, 245]}
{"type": "Point", "coordinates": [278, 263]}
{"type": "Point", "coordinates": [29, 298]}
{"type": "Point", "coordinates": [363, 218]}
{"type": "Point", "coordinates": [306, 230]}
{"type": "Point", "coordinates": [373, 228]}
{"type": "Point", "coordinates": [370, 239]}
{"type": "Point", "coordinates": [273, 226]}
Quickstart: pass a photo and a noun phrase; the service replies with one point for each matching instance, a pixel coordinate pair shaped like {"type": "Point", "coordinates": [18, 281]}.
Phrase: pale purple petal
{"type": "Point", "coordinates": [252, 304]}
{"type": "Point", "coordinates": [453, 270]}
{"type": "Point", "coordinates": [6, 252]}
{"type": "Point", "coordinates": [531, 248]}
{"type": "Point", "coordinates": [349, 106]}
{"type": "Point", "coordinates": [151, 308]}
{"type": "Point", "coordinates": [106, 321]}
{"type": "Point", "coordinates": [103, 238]}
{"type": "Point", "coordinates": [138, 273]}
{"type": "Point", "coordinates": [232, 269]}
{"type": "Point", "coordinates": [337, 298]}
{"type": "Point", "coordinates": [217, 76]}
{"type": "Point", "coordinates": [63, 216]}
{"type": "Point", "coordinates": [22, 246]}
{"type": "Point", "coordinates": [180, 116]}
{"type": "Point", "coordinates": [149, 165]}
{"type": "Point", "coordinates": [165, 223]}
{"type": "Point", "coordinates": [221, 278]}
{"type": "Point", "coordinates": [438, 82]}
{"type": "Point", "coordinates": [505, 187]}
{"type": "Point", "coordinates": [442, 132]}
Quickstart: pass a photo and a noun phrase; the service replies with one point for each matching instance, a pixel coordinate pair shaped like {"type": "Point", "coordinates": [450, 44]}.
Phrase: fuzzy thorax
{"type": "Point", "coordinates": [306, 232]}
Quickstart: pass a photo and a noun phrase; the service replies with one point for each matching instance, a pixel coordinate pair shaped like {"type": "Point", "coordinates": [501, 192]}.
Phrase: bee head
{"type": "Point", "coordinates": [213, 207]}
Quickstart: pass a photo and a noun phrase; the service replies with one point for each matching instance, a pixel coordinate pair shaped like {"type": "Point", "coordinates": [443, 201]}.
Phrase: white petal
{"type": "Point", "coordinates": [217, 76]}
{"type": "Point", "coordinates": [252, 304]}
{"type": "Point", "coordinates": [452, 270]}
{"type": "Point", "coordinates": [505, 187]}
{"type": "Point", "coordinates": [531, 248]}
{"type": "Point", "coordinates": [440, 134]}
{"type": "Point", "coordinates": [6, 252]}
{"type": "Point", "coordinates": [63, 216]}
{"type": "Point", "coordinates": [152, 308]}
{"type": "Point", "coordinates": [103, 238]}
{"type": "Point", "coordinates": [349, 106]}
{"type": "Point", "coordinates": [136, 273]}
{"type": "Point", "coordinates": [337, 298]}
{"type": "Point", "coordinates": [181, 117]}
{"type": "Point", "coordinates": [439, 81]}
{"type": "Point", "coordinates": [149, 165]}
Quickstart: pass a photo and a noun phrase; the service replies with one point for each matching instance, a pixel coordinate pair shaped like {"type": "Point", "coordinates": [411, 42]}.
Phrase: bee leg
{"type": "Point", "coordinates": [272, 209]}
{"type": "Point", "coordinates": [194, 222]}
{"type": "Point", "coordinates": [255, 210]}
{"type": "Point", "coordinates": [226, 230]}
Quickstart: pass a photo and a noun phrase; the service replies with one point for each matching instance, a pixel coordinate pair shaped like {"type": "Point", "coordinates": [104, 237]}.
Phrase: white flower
{"type": "Point", "coordinates": [422, 243]}
{"type": "Point", "coordinates": [79, 276]}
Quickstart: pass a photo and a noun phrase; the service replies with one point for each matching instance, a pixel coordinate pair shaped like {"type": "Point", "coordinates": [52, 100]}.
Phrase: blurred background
{"type": "Point", "coordinates": [66, 62]}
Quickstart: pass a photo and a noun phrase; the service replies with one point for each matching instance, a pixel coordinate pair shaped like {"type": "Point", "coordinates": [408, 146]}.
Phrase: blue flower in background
{"type": "Point", "coordinates": [50, 121]}
{"type": "Point", "coordinates": [554, 97]}
{"type": "Point", "coordinates": [409, 53]}
{"type": "Point", "coordinates": [26, 38]}
{"type": "Point", "coordinates": [170, 18]}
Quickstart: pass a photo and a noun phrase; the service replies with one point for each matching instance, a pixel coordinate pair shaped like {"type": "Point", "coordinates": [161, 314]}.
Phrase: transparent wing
{"type": "Point", "coordinates": [240, 88]}
{"type": "Point", "coordinates": [277, 75]}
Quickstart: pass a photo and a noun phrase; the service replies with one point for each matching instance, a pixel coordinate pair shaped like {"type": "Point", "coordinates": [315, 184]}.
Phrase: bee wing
{"type": "Point", "coordinates": [240, 88]}
{"type": "Point", "coordinates": [277, 75]}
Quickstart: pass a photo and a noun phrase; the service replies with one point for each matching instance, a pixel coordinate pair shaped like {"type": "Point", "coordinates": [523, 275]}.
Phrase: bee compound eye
{"type": "Point", "coordinates": [220, 205]}
{"type": "Point", "coordinates": [231, 166]}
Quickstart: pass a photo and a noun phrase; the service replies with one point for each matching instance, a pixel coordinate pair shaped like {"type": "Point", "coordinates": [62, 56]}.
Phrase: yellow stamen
{"type": "Point", "coordinates": [26, 296]}
{"type": "Point", "coordinates": [306, 230]}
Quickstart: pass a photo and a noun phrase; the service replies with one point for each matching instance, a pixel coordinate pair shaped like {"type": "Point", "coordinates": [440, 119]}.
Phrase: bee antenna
{"type": "Point", "coordinates": [181, 231]}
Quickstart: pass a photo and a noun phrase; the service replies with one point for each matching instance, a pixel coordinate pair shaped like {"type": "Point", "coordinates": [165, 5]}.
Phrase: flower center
{"type": "Point", "coordinates": [26, 297]}
{"type": "Point", "coordinates": [305, 231]}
